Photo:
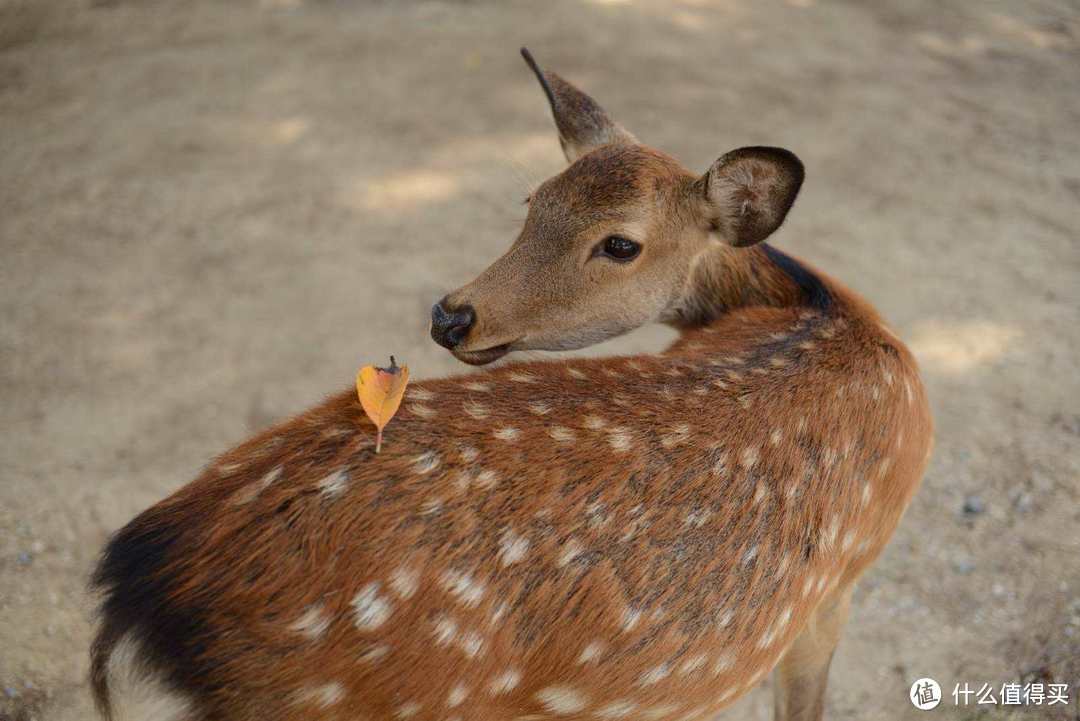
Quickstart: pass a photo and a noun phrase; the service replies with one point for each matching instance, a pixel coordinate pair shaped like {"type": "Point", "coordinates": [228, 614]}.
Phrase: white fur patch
{"type": "Point", "coordinates": [562, 700]}
{"type": "Point", "coordinates": [138, 695]}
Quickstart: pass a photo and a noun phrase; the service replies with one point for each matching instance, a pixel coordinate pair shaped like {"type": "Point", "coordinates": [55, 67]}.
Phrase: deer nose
{"type": "Point", "coordinates": [450, 326]}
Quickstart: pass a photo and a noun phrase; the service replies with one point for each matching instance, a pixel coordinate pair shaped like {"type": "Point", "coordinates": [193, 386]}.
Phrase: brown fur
{"type": "Point", "coordinates": [641, 537]}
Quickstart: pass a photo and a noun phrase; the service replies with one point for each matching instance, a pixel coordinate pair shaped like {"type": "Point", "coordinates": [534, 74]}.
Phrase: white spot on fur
{"type": "Point", "coordinates": [462, 585]}
{"type": "Point", "coordinates": [562, 434]}
{"type": "Point", "coordinates": [571, 550]}
{"type": "Point", "coordinates": [521, 377]}
{"type": "Point", "coordinates": [619, 438]}
{"type": "Point", "coordinates": [370, 610]}
{"type": "Point", "coordinates": [457, 694]}
{"type": "Point", "coordinates": [776, 436]}
{"type": "Point", "coordinates": [725, 619]}
{"type": "Point", "coordinates": [749, 556]}
{"type": "Point", "coordinates": [697, 518]}
{"type": "Point", "coordinates": [761, 493]}
{"type": "Point", "coordinates": [476, 410]}
{"type": "Point", "coordinates": [679, 434]}
{"type": "Point", "coordinates": [431, 506]}
{"type": "Point", "coordinates": [334, 484]}
{"type": "Point", "coordinates": [575, 373]}
{"type": "Point", "coordinates": [471, 642]}
{"type": "Point", "coordinates": [323, 696]}
{"type": "Point", "coordinates": [486, 479]}
{"type": "Point", "coordinates": [312, 624]}
{"type": "Point", "coordinates": [694, 714]}
{"type": "Point", "coordinates": [828, 538]}
{"type": "Point", "coordinates": [507, 433]}
{"type": "Point", "coordinates": [512, 548]}
{"type": "Point", "coordinates": [562, 700]}
{"type": "Point", "coordinates": [498, 613]}
{"type": "Point", "coordinates": [407, 710]}
{"type": "Point", "coordinates": [692, 664]}
{"type": "Point", "coordinates": [251, 491]}
{"type": "Point", "coordinates": [591, 652]}
{"type": "Point", "coordinates": [724, 662]}
{"type": "Point", "coordinates": [655, 713]}
{"type": "Point", "coordinates": [821, 582]}
{"type": "Point", "coordinates": [469, 454]}
{"type": "Point", "coordinates": [404, 582]}
{"type": "Point", "coordinates": [446, 630]}
{"type": "Point", "coordinates": [226, 469]}
{"type": "Point", "coordinates": [748, 457]}
{"type": "Point", "coordinates": [654, 675]}
{"type": "Point", "coordinates": [420, 394]}
{"type": "Point", "coordinates": [418, 409]}
{"type": "Point", "coordinates": [426, 462]}
{"type": "Point", "coordinates": [540, 408]}
{"type": "Point", "coordinates": [630, 619]}
{"type": "Point", "coordinates": [374, 653]}
{"type": "Point", "coordinates": [594, 423]}
{"type": "Point", "coordinates": [828, 457]}
{"type": "Point", "coordinates": [776, 629]}
{"type": "Point", "coordinates": [616, 709]}
{"type": "Point", "coordinates": [845, 544]}
{"type": "Point", "coordinates": [478, 387]}
{"type": "Point", "coordinates": [505, 682]}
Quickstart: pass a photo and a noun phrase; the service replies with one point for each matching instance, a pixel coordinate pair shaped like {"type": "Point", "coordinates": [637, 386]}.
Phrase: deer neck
{"type": "Point", "coordinates": [726, 279]}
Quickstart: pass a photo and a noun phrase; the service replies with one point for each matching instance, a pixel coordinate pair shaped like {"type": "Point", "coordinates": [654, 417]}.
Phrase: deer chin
{"type": "Point", "coordinates": [482, 357]}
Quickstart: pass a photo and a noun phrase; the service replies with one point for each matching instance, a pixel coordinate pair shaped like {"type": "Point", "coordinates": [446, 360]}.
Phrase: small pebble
{"type": "Point", "coordinates": [964, 566]}
{"type": "Point", "coordinates": [1023, 501]}
{"type": "Point", "coordinates": [974, 506]}
{"type": "Point", "coordinates": [25, 558]}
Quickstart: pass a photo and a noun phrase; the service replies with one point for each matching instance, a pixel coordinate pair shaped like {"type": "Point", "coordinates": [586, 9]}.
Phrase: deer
{"type": "Point", "coordinates": [638, 537]}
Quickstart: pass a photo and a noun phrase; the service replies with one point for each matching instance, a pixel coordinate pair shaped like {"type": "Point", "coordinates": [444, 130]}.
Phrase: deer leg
{"type": "Point", "coordinates": [803, 672]}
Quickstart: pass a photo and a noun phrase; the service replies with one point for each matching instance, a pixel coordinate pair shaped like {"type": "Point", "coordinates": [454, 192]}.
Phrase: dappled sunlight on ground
{"type": "Point", "coordinates": [402, 191]}
{"type": "Point", "coordinates": [942, 346]}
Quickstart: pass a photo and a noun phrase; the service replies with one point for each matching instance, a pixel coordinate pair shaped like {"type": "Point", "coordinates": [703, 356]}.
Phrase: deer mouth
{"type": "Point", "coordinates": [482, 357]}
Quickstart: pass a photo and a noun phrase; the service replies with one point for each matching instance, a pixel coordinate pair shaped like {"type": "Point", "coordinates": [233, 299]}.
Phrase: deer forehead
{"type": "Point", "coordinates": [607, 185]}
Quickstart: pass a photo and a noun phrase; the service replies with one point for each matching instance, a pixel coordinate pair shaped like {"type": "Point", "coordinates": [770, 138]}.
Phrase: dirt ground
{"type": "Point", "coordinates": [212, 213]}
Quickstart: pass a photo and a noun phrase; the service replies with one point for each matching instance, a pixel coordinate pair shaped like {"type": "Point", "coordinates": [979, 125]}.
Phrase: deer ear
{"type": "Point", "coordinates": [583, 125]}
{"type": "Point", "coordinates": [748, 192]}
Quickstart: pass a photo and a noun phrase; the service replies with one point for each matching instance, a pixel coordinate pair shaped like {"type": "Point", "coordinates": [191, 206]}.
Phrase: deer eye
{"type": "Point", "coordinates": [620, 248]}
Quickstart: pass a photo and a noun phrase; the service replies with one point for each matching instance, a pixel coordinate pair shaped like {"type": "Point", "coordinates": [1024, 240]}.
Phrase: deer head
{"type": "Point", "coordinates": [615, 241]}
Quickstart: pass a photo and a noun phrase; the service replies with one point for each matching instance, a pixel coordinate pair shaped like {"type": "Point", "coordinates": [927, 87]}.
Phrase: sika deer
{"type": "Point", "coordinates": [641, 537]}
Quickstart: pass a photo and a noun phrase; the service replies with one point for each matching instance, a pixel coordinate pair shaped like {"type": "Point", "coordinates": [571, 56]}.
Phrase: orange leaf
{"type": "Point", "coordinates": [380, 391]}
